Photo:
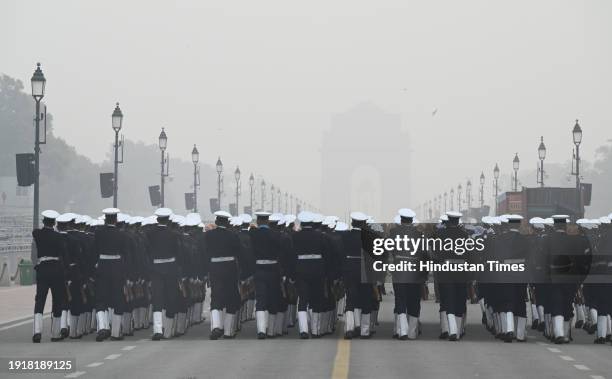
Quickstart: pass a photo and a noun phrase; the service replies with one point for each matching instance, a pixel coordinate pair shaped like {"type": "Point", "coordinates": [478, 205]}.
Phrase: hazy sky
{"type": "Point", "coordinates": [257, 81]}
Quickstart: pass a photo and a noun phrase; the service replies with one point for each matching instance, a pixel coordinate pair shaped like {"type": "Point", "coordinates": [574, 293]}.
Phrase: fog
{"type": "Point", "coordinates": [258, 82]}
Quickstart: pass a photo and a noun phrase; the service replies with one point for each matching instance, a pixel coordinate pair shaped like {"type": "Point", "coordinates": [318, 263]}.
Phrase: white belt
{"type": "Point", "coordinates": [164, 260]}
{"type": "Point", "coordinates": [309, 256]}
{"type": "Point", "coordinates": [106, 256]}
{"type": "Point", "coordinates": [405, 257]}
{"type": "Point", "coordinates": [609, 264]}
{"type": "Point", "coordinates": [266, 261]}
{"type": "Point", "coordinates": [354, 256]}
{"type": "Point", "coordinates": [511, 261]}
{"type": "Point", "coordinates": [44, 259]}
{"type": "Point", "coordinates": [221, 259]}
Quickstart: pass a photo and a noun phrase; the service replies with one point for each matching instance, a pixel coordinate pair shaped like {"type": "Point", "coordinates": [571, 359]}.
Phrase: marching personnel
{"type": "Point", "coordinates": [511, 247]}
{"type": "Point", "coordinates": [220, 249]}
{"type": "Point", "coordinates": [163, 245]}
{"type": "Point", "coordinates": [312, 262]}
{"type": "Point", "coordinates": [50, 250]}
{"type": "Point", "coordinates": [407, 285]}
{"type": "Point", "coordinates": [111, 250]}
{"type": "Point", "coordinates": [269, 262]}
{"type": "Point", "coordinates": [565, 254]}
{"type": "Point", "coordinates": [247, 265]}
{"type": "Point", "coordinates": [452, 286]}
{"type": "Point", "coordinates": [277, 221]}
{"type": "Point", "coordinates": [75, 267]}
{"type": "Point", "coordinates": [359, 296]}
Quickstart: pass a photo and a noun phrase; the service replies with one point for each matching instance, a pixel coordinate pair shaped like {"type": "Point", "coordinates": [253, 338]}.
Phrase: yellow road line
{"type": "Point", "coordinates": [341, 362]}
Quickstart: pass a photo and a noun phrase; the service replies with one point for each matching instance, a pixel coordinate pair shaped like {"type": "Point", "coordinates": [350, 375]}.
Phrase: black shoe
{"type": "Point", "coordinates": [541, 327]}
{"type": "Point", "coordinates": [216, 334]}
{"type": "Point", "coordinates": [484, 319]}
{"type": "Point", "coordinates": [365, 337]}
{"type": "Point", "coordinates": [559, 340]}
{"type": "Point", "coordinates": [120, 338]}
{"type": "Point", "coordinates": [599, 341]}
{"type": "Point", "coordinates": [579, 324]}
{"type": "Point", "coordinates": [609, 338]}
{"type": "Point", "coordinates": [304, 336]}
{"type": "Point", "coordinates": [76, 338]}
{"type": "Point", "coordinates": [443, 336]}
{"type": "Point", "coordinates": [226, 337]}
{"type": "Point", "coordinates": [157, 337]}
{"type": "Point", "coordinates": [395, 336]}
{"type": "Point", "coordinates": [101, 336]}
{"type": "Point", "coordinates": [592, 329]}
{"type": "Point", "coordinates": [535, 325]}
{"type": "Point", "coordinates": [348, 335]}
{"type": "Point", "coordinates": [57, 339]}
{"type": "Point", "coordinates": [64, 333]}
{"type": "Point", "coordinates": [315, 336]}
{"type": "Point", "coordinates": [523, 340]}
{"type": "Point", "coordinates": [453, 337]}
{"type": "Point", "coordinates": [36, 338]}
{"type": "Point", "coordinates": [403, 338]}
{"type": "Point", "coordinates": [261, 336]}
{"type": "Point", "coordinates": [508, 337]}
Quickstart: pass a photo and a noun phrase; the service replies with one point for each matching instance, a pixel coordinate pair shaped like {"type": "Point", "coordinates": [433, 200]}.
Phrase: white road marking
{"type": "Point", "coordinates": [566, 358]}
{"type": "Point", "coordinates": [553, 350]}
{"type": "Point", "coordinates": [128, 348]}
{"type": "Point", "coordinates": [21, 323]}
{"type": "Point", "coordinates": [597, 377]}
{"type": "Point", "coordinates": [113, 356]}
{"type": "Point", "coordinates": [582, 367]}
{"type": "Point", "coordinates": [75, 374]}
{"type": "Point", "coordinates": [95, 364]}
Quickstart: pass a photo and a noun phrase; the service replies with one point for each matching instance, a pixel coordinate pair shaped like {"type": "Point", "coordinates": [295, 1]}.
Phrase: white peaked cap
{"type": "Point", "coordinates": [235, 221]}
{"type": "Point", "coordinates": [178, 219]}
{"type": "Point", "coordinates": [246, 218]}
{"type": "Point", "coordinates": [514, 217]}
{"type": "Point", "coordinates": [444, 218]}
{"type": "Point", "coordinates": [341, 226]}
{"type": "Point", "coordinates": [305, 216]}
{"type": "Point", "coordinates": [275, 217]}
{"type": "Point", "coordinates": [397, 219]}
{"type": "Point", "coordinates": [163, 212]}
{"type": "Point", "coordinates": [193, 218]}
{"type": "Point", "coordinates": [359, 216]}
{"type": "Point", "coordinates": [317, 218]}
{"type": "Point", "coordinates": [110, 211]}
{"type": "Point", "coordinates": [330, 220]}
{"type": "Point", "coordinates": [454, 214]}
{"type": "Point", "coordinates": [262, 214]}
{"type": "Point", "coordinates": [65, 217]}
{"type": "Point", "coordinates": [548, 221]}
{"type": "Point", "coordinates": [50, 214]}
{"type": "Point", "coordinates": [604, 220]}
{"type": "Point", "coordinates": [289, 219]}
{"type": "Point", "coordinates": [122, 217]}
{"type": "Point", "coordinates": [223, 214]}
{"type": "Point", "coordinates": [406, 212]}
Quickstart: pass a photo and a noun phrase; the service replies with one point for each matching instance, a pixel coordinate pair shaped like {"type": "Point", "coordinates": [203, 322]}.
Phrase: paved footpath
{"type": "Point", "coordinates": [478, 355]}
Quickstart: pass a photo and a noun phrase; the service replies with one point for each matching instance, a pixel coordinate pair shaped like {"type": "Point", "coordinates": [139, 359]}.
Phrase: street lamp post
{"type": "Point", "coordinates": [163, 144]}
{"type": "Point", "coordinates": [515, 166]}
{"type": "Point", "coordinates": [468, 194]}
{"type": "Point", "coordinates": [452, 199]}
{"type": "Point", "coordinates": [263, 195]}
{"type": "Point", "coordinates": [459, 189]}
{"type": "Point", "coordinates": [272, 198]}
{"type": "Point", "coordinates": [195, 158]}
{"type": "Point", "coordinates": [542, 156]}
{"type": "Point", "coordinates": [496, 177]}
{"type": "Point", "coordinates": [38, 82]}
{"type": "Point", "coordinates": [291, 203]}
{"type": "Point", "coordinates": [445, 201]}
{"type": "Point", "coordinates": [117, 122]}
{"type": "Point", "coordinates": [219, 167]}
{"type": "Point", "coordinates": [286, 202]}
{"type": "Point", "coordinates": [251, 183]}
{"type": "Point", "coordinates": [577, 137]}
{"type": "Point", "coordinates": [237, 177]}
{"type": "Point", "coordinates": [482, 180]}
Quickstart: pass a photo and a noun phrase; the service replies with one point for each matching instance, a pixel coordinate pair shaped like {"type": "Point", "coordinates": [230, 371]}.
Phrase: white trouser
{"type": "Point", "coordinates": [349, 321]}
{"type": "Point", "coordinates": [38, 323]}
{"type": "Point", "coordinates": [402, 321]}
{"type": "Point", "coordinates": [303, 321]}
{"type": "Point", "coordinates": [261, 321]}
{"type": "Point", "coordinates": [158, 323]}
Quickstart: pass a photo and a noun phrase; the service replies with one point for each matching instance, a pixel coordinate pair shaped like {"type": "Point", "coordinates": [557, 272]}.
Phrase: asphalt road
{"type": "Point", "coordinates": [478, 355]}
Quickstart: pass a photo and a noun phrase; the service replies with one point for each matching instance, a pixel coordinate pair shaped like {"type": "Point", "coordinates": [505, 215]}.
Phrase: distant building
{"type": "Point", "coordinates": [365, 163]}
{"type": "Point", "coordinates": [545, 201]}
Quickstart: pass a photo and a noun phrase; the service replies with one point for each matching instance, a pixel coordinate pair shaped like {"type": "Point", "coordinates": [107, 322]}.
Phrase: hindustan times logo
{"type": "Point", "coordinates": [401, 244]}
